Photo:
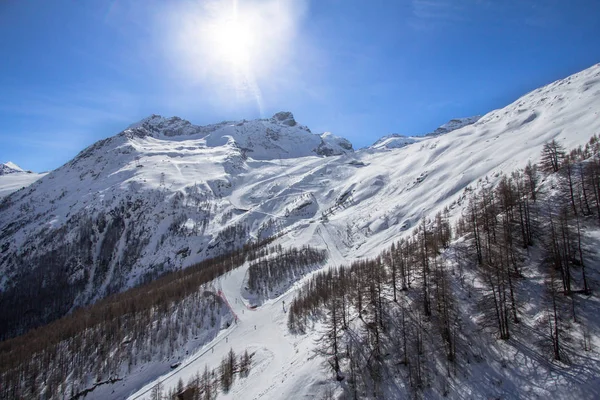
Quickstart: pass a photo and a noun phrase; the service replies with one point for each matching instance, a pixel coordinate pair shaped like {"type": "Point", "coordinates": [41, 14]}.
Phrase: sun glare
{"type": "Point", "coordinates": [233, 40]}
{"type": "Point", "coordinates": [230, 44]}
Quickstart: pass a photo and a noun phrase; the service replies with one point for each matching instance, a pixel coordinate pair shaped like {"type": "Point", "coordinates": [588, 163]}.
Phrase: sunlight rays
{"type": "Point", "coordinates": [233, 46]}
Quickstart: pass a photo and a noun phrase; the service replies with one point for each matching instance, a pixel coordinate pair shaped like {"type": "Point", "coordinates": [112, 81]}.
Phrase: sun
{"type": "Point", "coordinates": [232, 49]}
{"type": "Point", "coordinates": [233, 41]}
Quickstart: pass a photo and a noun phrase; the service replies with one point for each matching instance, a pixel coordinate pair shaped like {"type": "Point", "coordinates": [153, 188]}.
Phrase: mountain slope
{"type": "Point", "coordinates": [396, 141]}
{"type": "Point", "coordinates": [13, 178]}
{"type": "Point", "coordinates": [155, 197]}
{"type": "Point", "coordinates": [393, 141]}
{"type": "Point", "coordinates": [454, 124]}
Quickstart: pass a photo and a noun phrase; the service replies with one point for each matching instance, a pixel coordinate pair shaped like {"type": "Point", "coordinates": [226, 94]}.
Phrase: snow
{"type": "Point", "coordinates": [454, 124]}
{"type": "Point", "coordinates": [274, 138]}
{"type": "Point", "coordinates": [271, 176]}
{"type": "Point", "coordinates": [10, 167]}
{"type": "Point", "coordinates": [283, 366]}
{"type": "Point", "coordinates": [394, 141]}
{"type": "Point", "coordinates": [10, 183]}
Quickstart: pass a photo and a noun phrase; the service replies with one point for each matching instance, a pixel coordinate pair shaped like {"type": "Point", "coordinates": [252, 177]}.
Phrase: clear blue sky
{"type": "Point", "coordinates": [73, 72]}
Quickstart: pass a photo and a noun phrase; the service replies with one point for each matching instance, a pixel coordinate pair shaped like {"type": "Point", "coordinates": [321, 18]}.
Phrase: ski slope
{"type": "Point", "coordinates": [283, 361]}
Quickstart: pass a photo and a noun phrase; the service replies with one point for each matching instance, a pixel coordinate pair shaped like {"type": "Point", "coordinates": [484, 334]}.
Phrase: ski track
{"type": "Point", "coordinates": [263, 330]}
{"type": "Point", "coordinates": [266, 326]}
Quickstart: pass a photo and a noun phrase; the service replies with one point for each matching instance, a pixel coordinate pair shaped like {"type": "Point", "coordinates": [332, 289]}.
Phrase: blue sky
{"type": "Point", "coordinates": [73, 72]}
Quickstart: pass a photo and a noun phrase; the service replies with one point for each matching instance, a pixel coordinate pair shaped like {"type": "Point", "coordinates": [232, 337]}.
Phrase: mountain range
{"type": "Point", "coordinates": [165, 194]}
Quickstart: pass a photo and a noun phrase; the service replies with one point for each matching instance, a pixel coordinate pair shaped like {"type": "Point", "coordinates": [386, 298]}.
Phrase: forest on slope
{"type": "Point", "coordinates": [464, 309]}
{"type": "Point", "coordinates": [153, 322]}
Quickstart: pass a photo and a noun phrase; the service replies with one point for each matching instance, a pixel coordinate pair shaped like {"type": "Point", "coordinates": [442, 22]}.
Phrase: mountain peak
{"type": "Point", "coordinates": [392, 141]}
{"type": "Point", "coordinates": [155, 124]}
{"type": "Point", "coordinates": [277, 137]}
{"type": "Point", "coordinates": [10, 168]}
{"type": "Point", "coordinates": [285, 117]}
{"type": "Point", "coordinates": [396, 140]}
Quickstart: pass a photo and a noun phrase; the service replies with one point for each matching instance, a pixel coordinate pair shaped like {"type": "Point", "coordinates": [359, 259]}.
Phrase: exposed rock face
{"type": "Point", "coordinates": [285, 117]}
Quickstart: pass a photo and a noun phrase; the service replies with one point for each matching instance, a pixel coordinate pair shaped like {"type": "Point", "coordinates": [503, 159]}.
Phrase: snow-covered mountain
{"type": "Point", "coordinates": [393, 141]}
{"type": "Point", "coordinates": [10, 168]}
{"type": "Point", "coordinates": [164, 194]}
{"type": "Point", "coordinates": [13, 178]}
{"type": "Point", "coordinates": [159, 195]}
{"type": "Point", "coordinates": [266, 139]}
{"type": "Point", "coordinates": [454, 124]}
{"type": "Point", "coordinates": [396, 141]}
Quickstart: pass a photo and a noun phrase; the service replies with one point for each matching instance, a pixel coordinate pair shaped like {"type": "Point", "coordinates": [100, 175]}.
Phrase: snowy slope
{"type": "Point", "coordinates": [393, 141]}
{"type": "Point", "coordinates": [13, 178]}
{"type": "Point", "coordinates": [454, 124]}
{"type": "Point", "coordinates": [396, 141]}
{"type": "Point", "coordinates": [165, 193]}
